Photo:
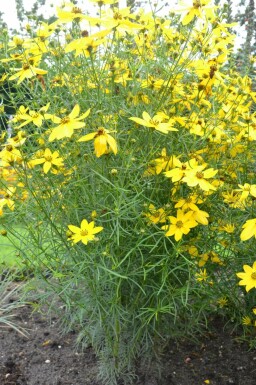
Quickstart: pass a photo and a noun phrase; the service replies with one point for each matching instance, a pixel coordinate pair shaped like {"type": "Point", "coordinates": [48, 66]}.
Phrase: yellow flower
{"type": "Point", "coordinates": [94, 214]}
{"type": "Point", "coordinates": [222, 302]}
{"type": "Point", "coordinates": [69, 13]}
{"type": "Point", "coordinates": [248, 277]}
{"type": "Point", "coordinates": [119, 18]}
{"type": "Point", "coordinates": [10, 154]}
{"type": "Point", "coordinates": [28, 71]}
{"type": "Point", "coordinates": [67, 124]}
{"type": "Point", "coordinates": [232, 198]}
{"type": "Point", "coordinates": [249, 229]}
{"type": "Point", "coordinates": [152, 83]}
{"type": "Point", "coordinates": [200, 216]}
{"type": "Point", "coordinates": [202, 275]}
{"type": "Point", "coordinates": [180, 225]}
{"type": "Point", "coordinates": [181, 169]}
{"type": "Point", "coordinates": [198, 8]}
{"type": "Point", "coordinates": [227, 227]}
{"type": "Point", "coordinates": [33, 117]}
{"type": "Point", "coordinates": [205, 257]}
{"type": "Point", "coordinates": [88, 44]}
{"type": "Point", "coordinates": [16, 42]}
{"type": "Point", "coordinates": [193, 251]}
{"type": "Point", "coordinates": [49, 159]}
{"type": "Point", "coordinates": [17, 140]}
{"type": "Point", "coordinates": [163, 163]}
{"type": "Point", "coordinates": [6, 199]}
{"type": "Point", "coordinates": [22, 111]}
{"type": "Point", "coordinates": [246, 320]}
{"type": "Point", "coordinates": [189, 203]}
{"type": "Point", "coordinates": [102, 141]}
{"type": "Point", "coordinates": [198, 177]}
{"type": "Point", "coordinates": [156, 122]}
{"type": "Point", "coordinates": [247, 189]}
{"type": "Point", "coordinates": [85, 233]}
{"type": "Point", "coordinates": [155, 215]}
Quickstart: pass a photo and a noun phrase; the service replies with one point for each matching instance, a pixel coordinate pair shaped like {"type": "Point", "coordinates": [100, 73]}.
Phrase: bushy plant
{"type": "Point", "coordinates": [132, 164]}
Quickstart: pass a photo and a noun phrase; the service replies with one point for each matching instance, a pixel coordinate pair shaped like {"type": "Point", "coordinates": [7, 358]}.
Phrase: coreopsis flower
{"type": "Point", "coordinates": [119, 18]}
{"type": "Point", "coordinates": [212, 256]}
{"type": "Point", "coordinates": [228, 228]}
{"type": "Point", "coordinates": [197, 8]}
{"type": "Point", "coordinates": [180, 225]}
{"type": "Point", "coordinates": [155, 215]}
{"type": "Point", "coordinates": [45, 30]}
{"type": "Point", "coordinates": [67, 124]}
{"type": "Point", "coordinates": [10, 155]}
{"type": "Point", "coordinates": [17, 140]}
{"type": "Point", "coordinates": [8, 174]}
{"type": "Point", "coordinates": [13, 57]}
{"type": "Point", "coordinates": [88, 44]}
{"type": "Point", "coordinates": [152, 82]}
{"type": "Point", "coordinates": [200, 216]}
{"type": "Point", "coordinates": [27, 71]}
{"type": "Point", "coordinates": [119, 72]}
{"type": "Point", "coordinates": [85, 233]}
{"type": "Point", "coordinates": [102, 141]}
{"type": "Point", "coordinates": [248, 277]}
{"type": "Point", "coordinates": [22, 111]}
{"type": "Point", "coordinates": [199, 176]}
{"type": "Point", "coordinates": [7, 196]}
{"type": "Point", "coordinates": [39, 46]}
{"type": "Point", "coordinates": [139, 97]}
{"type": "Point", "coordinates": [34, 117]}
{"type": "Point", "coordinates": [222, 302]}
{"type": "Point", "coordinates": [232, 198]}
{"type": "Point", "coordinates": [156, 122]}
{"type": "Point", "coordinates": [246, 321]}
{"type": "Point", "coordinates": [247, 189]}
{"type": "Point", "coordinates": [189, 203]}
{"type": "Point", "coordinates": [202, 275]}
{"type": "Point", "coordinates": [196, 125]}
{"type": "Point", "coordinates": [164, 162]}
{"type": "Point", "coordinates": [192, 250]}
{"type": "Point", "coordinates": [69, 12]}
{"type": "Point", "coordinates": [48, 160]}
{"type": "Point", "coordinates": [181, 169]}
{"type": "Point", "coordinates": [249, 229]}
{"type": "Point", "coordinates": [16, 42]}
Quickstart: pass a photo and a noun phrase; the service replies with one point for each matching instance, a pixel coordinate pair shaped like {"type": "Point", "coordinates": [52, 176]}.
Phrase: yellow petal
{"type": "Point", "coordinates": [87, 137]}
{"type": "Point", "coordinates": [46, 167]}
{"type": "Point", "coordinates": [112, 143]}
{"type": "Point", "coordinates": [75, 112]}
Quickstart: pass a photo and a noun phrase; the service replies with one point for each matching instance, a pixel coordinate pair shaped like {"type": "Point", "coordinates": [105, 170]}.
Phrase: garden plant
{"type": "Point", "coordinates": [128, 178]}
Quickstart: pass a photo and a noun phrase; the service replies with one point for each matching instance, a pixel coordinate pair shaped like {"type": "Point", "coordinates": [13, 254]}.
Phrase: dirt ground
{"type": "Point", "coordinates": [46, 357]}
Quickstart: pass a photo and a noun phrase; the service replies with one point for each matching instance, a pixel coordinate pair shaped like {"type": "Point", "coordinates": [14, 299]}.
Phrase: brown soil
{"type": "Point", "coordinates": [46, 357]}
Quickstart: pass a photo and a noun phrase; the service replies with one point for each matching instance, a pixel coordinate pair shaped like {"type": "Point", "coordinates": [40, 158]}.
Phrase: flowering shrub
{"type": "Point", "coordinates": [131, 165]}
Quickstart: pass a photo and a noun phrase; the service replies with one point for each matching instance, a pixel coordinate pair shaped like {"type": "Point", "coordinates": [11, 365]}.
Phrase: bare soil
{"type": "Point", "coordinates": [46, 357]}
